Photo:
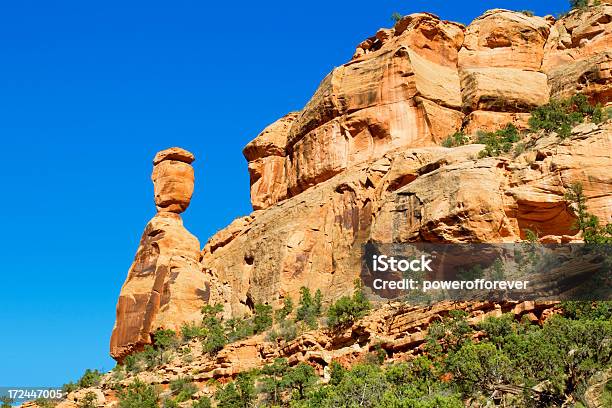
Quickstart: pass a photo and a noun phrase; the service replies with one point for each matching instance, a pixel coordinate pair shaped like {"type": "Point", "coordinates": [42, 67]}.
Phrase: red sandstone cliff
{"type": "Point", "coordinates": [362, 160]}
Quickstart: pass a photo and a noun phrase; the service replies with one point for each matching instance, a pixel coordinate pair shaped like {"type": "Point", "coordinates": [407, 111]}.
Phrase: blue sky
{"type": "Point", "coordinates": [89, 91]}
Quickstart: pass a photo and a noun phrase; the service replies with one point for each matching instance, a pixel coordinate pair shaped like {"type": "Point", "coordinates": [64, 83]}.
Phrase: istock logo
{"type": "Point", "coordinates": [384, 263]}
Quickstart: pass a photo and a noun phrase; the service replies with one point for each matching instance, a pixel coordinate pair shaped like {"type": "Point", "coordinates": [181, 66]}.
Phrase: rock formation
{"type": "Point", "coordinates": [424, 79]}
{"type": "Point", "coordinates": [165, 285]}
{"type": "Point", "coordinates": [362, 161]}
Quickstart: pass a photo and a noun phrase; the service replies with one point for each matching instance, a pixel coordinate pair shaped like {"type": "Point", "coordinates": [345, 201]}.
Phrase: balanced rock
{"type": "Point", "coordinates": [165, 285]}
{"type": "Point", "coordinates": [173, 179]}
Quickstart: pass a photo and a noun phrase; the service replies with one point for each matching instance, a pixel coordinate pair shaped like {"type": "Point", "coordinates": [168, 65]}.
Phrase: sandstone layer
{"type": "Point", "coordinates": [426, 78]}
{"type": "Point", "coordinates": [430, 194]}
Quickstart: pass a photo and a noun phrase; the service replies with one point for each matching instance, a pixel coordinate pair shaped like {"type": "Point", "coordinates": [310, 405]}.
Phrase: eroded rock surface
{"type": "Point", "coordinates": [424, 79]}
{"type": "Point", "coordinates": [362, 161]}
{"type": "Point", "coordinates": [431, 194]}
{"type": "Point", "coordinates": [165, 285]}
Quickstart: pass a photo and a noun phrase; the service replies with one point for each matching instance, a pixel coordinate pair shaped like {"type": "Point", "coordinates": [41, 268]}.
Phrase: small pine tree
{"type": "Point", "coordinates": [90, 378]}
{"type": "Point", "coordinates": [498, 142]}
{"type": "Point", "coordinates": [215, 338]}
{"type": "Point", "coordinates": [587, 223]}
{"type": "Point", "coordinates": [262, 320]}
{"type": "Point", "coordinates": [395, 16]}
{"type": "Point", "coordinates": [309, 309]}
{"type": "Point", "coordinates": [347, 309]}
{"type": "Point", "coordinates": [300, 379]}
{"type": "Point", "coordinates": [285, 310]}
{"type": "Point", "coordinates": [138, 395]}
{"type": "Point", "coordinates": [456, 139]}
{"type": "Point", "coordinates": [237, 394]}
{"type": "Point", "coordinates": [271, 382]}
{"type": "Point", "coordinates": [183, 389]}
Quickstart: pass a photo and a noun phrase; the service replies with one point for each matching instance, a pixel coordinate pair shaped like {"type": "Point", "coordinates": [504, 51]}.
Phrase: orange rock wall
{"type": "Point", "coordinates": [424, 79]}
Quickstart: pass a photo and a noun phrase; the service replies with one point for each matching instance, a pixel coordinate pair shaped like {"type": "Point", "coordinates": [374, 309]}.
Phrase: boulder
{"type": "Point", "coordinates": [173, 179]}
{"type": "Point", "coordinates": [504, 39]}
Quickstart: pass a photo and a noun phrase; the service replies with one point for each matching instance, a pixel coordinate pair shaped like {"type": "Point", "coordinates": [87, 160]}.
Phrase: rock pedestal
{"type": "Point", "coordinates": [165, 285]}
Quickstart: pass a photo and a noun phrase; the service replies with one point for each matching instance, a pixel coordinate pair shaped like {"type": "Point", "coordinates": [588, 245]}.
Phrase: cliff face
{"type": "Point", "coordinates": [414, 84]}
{"type": "Point", "coordinates": [363, 161]}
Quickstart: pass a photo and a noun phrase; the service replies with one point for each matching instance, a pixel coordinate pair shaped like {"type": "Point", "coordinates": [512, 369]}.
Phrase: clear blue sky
{"type": "Point", "coordinates": [89, 91]}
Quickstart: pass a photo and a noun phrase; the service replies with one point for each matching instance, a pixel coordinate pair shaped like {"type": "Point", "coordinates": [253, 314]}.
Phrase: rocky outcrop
{"type": "Point", "coordinates": [404, 91]}
{"type": "Point", "coordinates": [578, 56]}
{"type": "Point", "coordinates": [431, 194]}
{"type": "Point", "coordinates": [424, 79]}
{"type": "Point", "coordinates": [165, 285]}
{"type": "Point", "coordinates": [362, 161]}
{"type": "Point", "coordinates": [266, 155]}
{"type": "Point", "coordinates": [499, 65]}
{"type": "Point", "coordinates": [397, 328]}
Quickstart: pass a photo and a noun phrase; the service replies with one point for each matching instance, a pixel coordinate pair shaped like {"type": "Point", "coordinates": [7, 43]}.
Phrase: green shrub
{"type": "Point", "coordinates": [149, 357]}
{"type": "Point", "coordinates": [190, 331]}
{"type": "Point", "coordinates": [90, 378]}
{"type": "Point", "coordinates": [347, 309]}
{"type": "Point", "coordinates": [395, 16]}
{"type": "Point", "coordinates": [497, 328]}
{"type": "Point", "coordinates": [89, 401]}
{"type": "Point", "coordinates": [498, 142]}
{"type": "Point", "coordinates": [475, 272]}
{"type": "Point", "coordinates": [287, 331]}
{"type": "Point", "coordinates": [6, 402]}
{"type": "Point", "coordinates": [131, 363]}
{"type": "Point", "coordinates": [481, 365]}
{"type": "Point", "coordinates": [449, 334]}
{"type": "Point", "coordinates": [337, 372]}
{"type": "Point", "coordinates": [138, 395]}
{"type": "Point", "coordinates": [183, 389]}
{"type": "Point", "coordinates": [170, 403]}
{"type": "Point", "coordinates": [599, 115]}
{"type": "Point", "coordinates": [69, 387]}
{"type": "Point", "coordinates": [362, 386]}
{"type": "Point", "coordinates": [215, 338]}
{"type": "Point", "coordinates": [299, 379]}
{"type": "Point", "coordinates": [202, 402]}
{"type": "Point", "coordinates": [164, 339]}
{"type": "Point", "coordinates": [286, 310]}
{"type": "Point", "coordinates": [309, 308]}
{"type": "Point", "coordinates": [271, 382]}
{"type": "Point", "coordinates": [262, 320]}
{"type": "Point", "coordinates": [561, 115]}
{"type": "Point", "coordinates": [531, 236]}
{"type": "Point", "coordinates": [579, 4]}
{"type": "Point", "coordinates": [237, 394]}
{"type": "Point", "coordinates": [456, 139]}
{"type": "Point", "coordinates": [238, 328]}
{"type": "Point", "coordinates": [580, 310]}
